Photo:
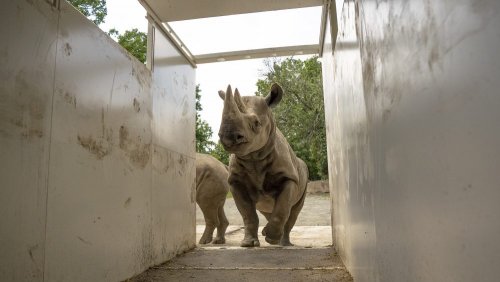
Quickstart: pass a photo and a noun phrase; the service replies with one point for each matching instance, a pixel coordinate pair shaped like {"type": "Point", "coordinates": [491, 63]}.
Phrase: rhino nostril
{"type": "Point", "coordinates": [240, 138]}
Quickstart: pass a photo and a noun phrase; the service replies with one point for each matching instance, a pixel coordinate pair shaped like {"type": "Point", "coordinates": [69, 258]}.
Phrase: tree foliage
{"type": "Point", "coordinates": [135, 42]}
{"type": "Point", "coordinates": [204, 133]}
{"type": "Point", "coordinates": [220, 153]}
{"type": "Point", "coordinates": [95, 10]}
{"type": "Point", "coordinates": [300, 115]}
{"type": "Point", "coordinates": [203, 129]}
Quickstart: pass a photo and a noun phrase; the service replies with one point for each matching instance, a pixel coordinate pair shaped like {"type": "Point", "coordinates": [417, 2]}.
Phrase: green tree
{"type": "Point", "coordinates": [300, 115]}
{"type": "Point", "coordinates": [219, 153]}
{"type": "Point", "coordinates": [95, 10]}
{"type": "Point", "coordinates": [203, 129]}
{"type": "Point", "coordinates": [134, 41]}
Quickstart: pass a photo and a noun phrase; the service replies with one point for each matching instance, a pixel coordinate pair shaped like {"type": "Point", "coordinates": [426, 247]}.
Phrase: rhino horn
{"type": "Point", "coordinates": [239, 103]}
{"type": "Point", "coordinates": [230, 106]}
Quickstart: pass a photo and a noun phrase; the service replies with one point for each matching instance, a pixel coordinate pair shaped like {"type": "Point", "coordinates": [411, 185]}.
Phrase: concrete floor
{"type": "Point", "coordinates": [311, 259]}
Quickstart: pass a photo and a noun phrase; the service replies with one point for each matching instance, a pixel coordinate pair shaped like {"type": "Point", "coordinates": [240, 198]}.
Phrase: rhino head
{"type": "Point", "coordinates": [247, 122]}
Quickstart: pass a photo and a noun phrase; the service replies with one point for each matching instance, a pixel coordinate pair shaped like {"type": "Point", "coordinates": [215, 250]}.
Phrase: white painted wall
{"type": "Point", "coordinates": [413, 127]}
{"type": "Point", "coordinates": [97, 182]}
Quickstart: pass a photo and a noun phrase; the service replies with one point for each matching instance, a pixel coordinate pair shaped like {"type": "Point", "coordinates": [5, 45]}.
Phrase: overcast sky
{"type": "Point", "coordinates": [230, 33]}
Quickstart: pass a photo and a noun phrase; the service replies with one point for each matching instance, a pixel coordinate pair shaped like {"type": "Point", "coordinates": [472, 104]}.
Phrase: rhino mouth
{"type": "Point", "coordinates": [233, 147]}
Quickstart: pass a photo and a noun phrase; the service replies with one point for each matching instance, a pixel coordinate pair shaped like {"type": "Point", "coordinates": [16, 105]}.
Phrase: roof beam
{"type": "Point", "coordinates": [257, 53]}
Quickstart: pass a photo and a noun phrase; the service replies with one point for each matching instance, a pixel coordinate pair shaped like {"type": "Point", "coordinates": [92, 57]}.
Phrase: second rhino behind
{"type": "Point", "coordinates": [211, 191]}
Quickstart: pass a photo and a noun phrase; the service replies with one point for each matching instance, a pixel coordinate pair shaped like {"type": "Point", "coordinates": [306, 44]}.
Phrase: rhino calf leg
{"type": "Point", "coordinates": [221, 228]}
{"type": "Point", "coordinates": [211, 221]}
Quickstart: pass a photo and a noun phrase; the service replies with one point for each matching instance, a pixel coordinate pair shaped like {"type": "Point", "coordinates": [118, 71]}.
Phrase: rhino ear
{"type": "Point", "coordinates": [222, 94]}
{"type": "Point", "coordinates": [274, 96]}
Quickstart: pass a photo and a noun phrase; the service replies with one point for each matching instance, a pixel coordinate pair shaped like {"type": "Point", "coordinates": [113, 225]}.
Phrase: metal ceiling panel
{"type": "Point", "coordinates": [178, 10]}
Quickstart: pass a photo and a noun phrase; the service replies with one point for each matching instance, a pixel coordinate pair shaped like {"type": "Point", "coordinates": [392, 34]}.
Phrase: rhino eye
{"type": "Point", "coordinates": [255, 122]}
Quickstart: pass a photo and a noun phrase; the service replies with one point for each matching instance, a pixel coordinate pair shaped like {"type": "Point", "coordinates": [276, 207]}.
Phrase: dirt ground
{"type": "Point", "coordinates": [311, 259]}
{"type": "Point", "coordinates": [316, 212]}
{"type": "Point", "coordinates": [312, 228]}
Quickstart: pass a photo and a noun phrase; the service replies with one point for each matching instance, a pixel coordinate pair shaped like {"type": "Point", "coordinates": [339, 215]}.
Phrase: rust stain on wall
{"type": "Point", "coordinates": [182, 164]}
{"type": "Point", "coordinates": [142, 76]}
{"type": "Point", "coordinates": [137, 105]}
{"type": "Point", "coordinates": [70, 99]}
{"type": "Point", "coordinates": [127, 202]}
{"type": "Point", "coordinates": [97, 147]}
{"type": "Point", "coordinates": [23, 110]}
{"type": "Point", "coordinates": [138, 152]}
{"type": "Point", "coordinates": [67, 49]}
{"type": "Point", "coordinates": [100, 146]}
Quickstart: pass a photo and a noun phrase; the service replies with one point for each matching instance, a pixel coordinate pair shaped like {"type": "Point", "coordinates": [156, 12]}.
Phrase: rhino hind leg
{"type": "Point", "coordinates": [221, 228]}
{"type": "Point", "coordinates": [211, 222]}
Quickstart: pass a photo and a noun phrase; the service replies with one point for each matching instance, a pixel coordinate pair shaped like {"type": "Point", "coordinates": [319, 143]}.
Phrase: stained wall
{"type": "Point", "coordinates": [411, 99]}
{"type": "Point", "coordinates": [97, 182]}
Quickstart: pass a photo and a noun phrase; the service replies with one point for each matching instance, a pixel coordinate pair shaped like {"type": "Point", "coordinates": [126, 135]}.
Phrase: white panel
{"type": "Point", "coordinates": [351, 166]}
{"type": "Point", "coordinates": [27, 55]}
{"type": "Point", "coordinates": [174, 102]}
{"type": "Point", "coordinates": [77, 146]}
{"type": "Point", "coordinates": [174, 199]}
{"type": "Point", "coordinates": [412, 116]}
{"type": "Point", "coordinates": [99, 204]}
{"type": "Point", "coordinates": [174, 178]}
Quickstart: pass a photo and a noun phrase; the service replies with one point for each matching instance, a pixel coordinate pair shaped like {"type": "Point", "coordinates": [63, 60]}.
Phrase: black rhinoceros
{"type": "Point", "coordinates": [264, 172]}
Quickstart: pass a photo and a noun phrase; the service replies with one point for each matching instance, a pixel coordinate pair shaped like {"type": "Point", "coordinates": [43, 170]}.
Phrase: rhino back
{"type": "Point", "coordinates": [211, 179]}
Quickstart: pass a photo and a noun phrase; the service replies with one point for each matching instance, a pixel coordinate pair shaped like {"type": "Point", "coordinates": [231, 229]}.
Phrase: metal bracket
{"type": "Point", "coordinates": [322, 31]}
{"type": "Point", "coordinates": [169, 33]}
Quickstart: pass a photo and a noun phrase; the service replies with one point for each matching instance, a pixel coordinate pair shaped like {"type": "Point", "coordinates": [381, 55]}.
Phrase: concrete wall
{"type": "Point", "coordinates": [413, 127]}
{"type": "Point", "coordinates": [97, 182]}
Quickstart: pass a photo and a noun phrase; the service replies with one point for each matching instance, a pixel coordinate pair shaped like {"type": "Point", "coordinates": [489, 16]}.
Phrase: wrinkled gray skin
{"type": "Point", "coordinates": [211, 191]}
{"type": "Point", "coordinates": [264, 172]}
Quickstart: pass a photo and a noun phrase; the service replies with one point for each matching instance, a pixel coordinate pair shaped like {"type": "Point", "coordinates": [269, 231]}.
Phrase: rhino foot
{"type": "Point", "coordinates": [272, 241]}
{"type": "Point", "coordinates": [252, 242]}
{"type": "Point", "coordinates": [285, 242]}
{"type": "Point", "coordinates": [219, 240]}
{"type": "Point", "coordinates": [264, 232]}
{"type": "Point", "coordinates": [272, 234]}
{"type": "Point", "coordinates": [205, 239]}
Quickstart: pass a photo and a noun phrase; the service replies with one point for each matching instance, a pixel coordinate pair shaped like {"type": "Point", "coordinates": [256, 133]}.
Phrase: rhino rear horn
{"type": "Point", "coordinates": [239, 103]}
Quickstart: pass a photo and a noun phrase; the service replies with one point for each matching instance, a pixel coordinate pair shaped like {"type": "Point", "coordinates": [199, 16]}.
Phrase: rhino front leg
{"type": "Point", "coordinates": [281, 212]}
{"type": "Point", "coordinates": [246, 207]}
{"type": "Point", "coordinates": [294, 213]}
